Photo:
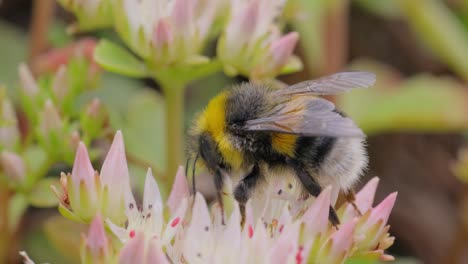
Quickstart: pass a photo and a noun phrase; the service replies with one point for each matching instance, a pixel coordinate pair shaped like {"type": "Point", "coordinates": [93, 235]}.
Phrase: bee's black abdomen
{"type": "Point", "coordinates": [314, 150]}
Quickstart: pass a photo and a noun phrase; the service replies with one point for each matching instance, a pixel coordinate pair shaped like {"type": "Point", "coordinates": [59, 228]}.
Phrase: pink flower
{"type": "Point", "coordinates": [251, 44]}
{"type": "Point", "coordinates": [9, 132]}
{"type": "Point", "coordinates": [279, 227]}
{"type": "Point", "coordinates": [13, 166]}
{"type": "Point", "coordinates": [84, 192]}
{"type": "Point", "coordinates": [96, 247]}
{"type": "Point", "coordinates": [167, 32]}
{"type": "Point", "coordinates": [142, 250]}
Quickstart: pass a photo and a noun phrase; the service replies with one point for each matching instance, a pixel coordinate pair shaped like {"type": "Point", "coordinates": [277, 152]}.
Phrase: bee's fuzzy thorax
{"type": "Point", "coordinates": [213, 121]}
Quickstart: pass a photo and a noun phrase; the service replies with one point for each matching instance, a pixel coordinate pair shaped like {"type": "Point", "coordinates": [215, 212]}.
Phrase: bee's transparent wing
{"type": "Point", "coordinates": [331, 84]}
{"type": "Point", "coordinates": [306, 116]}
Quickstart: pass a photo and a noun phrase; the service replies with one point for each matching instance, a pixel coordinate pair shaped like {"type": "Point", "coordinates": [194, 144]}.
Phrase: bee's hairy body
{"type": "Point", "coordinates": [335, 161]}
{"type": "Point", "coordinates": [225, 145]}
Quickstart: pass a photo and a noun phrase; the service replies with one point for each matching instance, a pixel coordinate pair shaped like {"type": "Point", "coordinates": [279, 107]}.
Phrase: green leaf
{"type": "Point", "coordinates": [440, 30]}
{"type": "Point", "coordinates": [65, 235]}
{"type": "Point", "coordinates": [420, 104]}
{"type": "Point", "coordinates": [40, 249]}
{"type": "Point", "coordinates": [144, 131]}
{"type": "Point", "coordinates": [119, 60]}
{"type": "Point", "coordinates": [386, 8]}
{"type": "Point", "coordinates": [36, 160]}
{"type": "Point", "coordinates": [16, 208]}
{"type": "Point", "coordinates": [13, 43]}
{"type": "Point", "coordinates": [69, 214]}
{"type": "Point", "coordinates": [41, 195]}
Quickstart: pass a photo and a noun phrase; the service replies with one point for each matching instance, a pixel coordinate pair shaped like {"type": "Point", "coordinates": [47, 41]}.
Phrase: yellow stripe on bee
{"type": "Point", "coordinates": [284, 143]}
{"type": "Point", "coordinates": [213, 121]}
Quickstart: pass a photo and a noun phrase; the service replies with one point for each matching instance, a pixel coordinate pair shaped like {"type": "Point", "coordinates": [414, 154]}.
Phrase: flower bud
{"type": "Point", "coordinates": [251, 44]}
{"type": "Point", "coordinates": [13, 166]}
{"type": "Point", "coordinates": [96, 247]}
{"type": "Point", "coordinates": [115, 182]}
{"type": "Point", "coordinates": [28, 83]}
{"type": "Point", "coordinates": [91, 15]}
{"type": "Point", "coordinates": [82, 190]}
{"type": "Point", "coordinates": [9, 132]}
{"type": "Point", "coordinates": [50, 120]}
{"type": "Point", "coordinates": [59, 84]}
{"type": "Point", "coordinates": [174, 33]}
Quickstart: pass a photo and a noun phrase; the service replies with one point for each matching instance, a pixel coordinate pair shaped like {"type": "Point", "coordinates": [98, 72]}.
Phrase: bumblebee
{"type": "Point", "coordinates": [258, 132]}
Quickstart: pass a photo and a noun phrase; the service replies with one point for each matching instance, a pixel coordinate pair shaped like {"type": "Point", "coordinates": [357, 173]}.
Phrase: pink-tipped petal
{"type": "Point", "coordinates": [365, 197]}
{"type": "Point", "coordinates": [97, 241]}
{"type": "Point", "coordinates": [13, 166]}
{"type": "Point", "coordinates": [162, 34]}
{"type": "Point", "coordinates": [134, 250]}
{"type": "Point", "coordinates": [343, 239]}
{"type": "Point", "coordinates": [114, 170]}
{"type": "Point", "coordinates": [155, 254]}
{"type": "Point", "coordinates": [82, 168]}
{"type": "Point", "coordinates": [282, 49]}
{"type": "Point", "coordinates": [182, 14]}
{"type": "Point", "coordinates": [248, 19]}
{"type": "Point", "coordinates": [50, 118]}
{"type": "Point", "coordinates": [28, 83]}
{"type": "Point", "coordinates": [382, 211]}
{"type": "Point", "coordinates": [59, 84]}
{"type": "Point", "coordinates": [316, 217]}
{"type": "Point", "coordinates": [286, 245]}
{"type": "Point", "coordinates": [180, 190]}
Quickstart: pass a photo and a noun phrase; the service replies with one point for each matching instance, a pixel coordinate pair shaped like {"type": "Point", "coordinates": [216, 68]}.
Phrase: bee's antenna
{"type": "Point", "coordinates": [194, 189]}
{"type": "Point", "coordinates": [187, 165]}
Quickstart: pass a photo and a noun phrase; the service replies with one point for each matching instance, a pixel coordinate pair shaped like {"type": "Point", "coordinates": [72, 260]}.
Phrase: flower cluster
{"type": "Point", "coordinates": [172, 35]}
{"type": "Point", "coordinates": [186, 230]}
{"type": "Point", "coordinates": [45, 126]}
{"type": "Point", "coordinates": [251, 43]}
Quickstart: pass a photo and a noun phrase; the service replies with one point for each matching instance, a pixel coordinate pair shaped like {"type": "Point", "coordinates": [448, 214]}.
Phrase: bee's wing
{"type": "Point", "coordinates": [331, 84]}
{"type": "Point", "coordinates": [306, 116]}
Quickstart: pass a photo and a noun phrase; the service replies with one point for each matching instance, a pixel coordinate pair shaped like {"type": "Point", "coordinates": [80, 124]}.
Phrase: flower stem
{"type": "Point", "coordinates": [174, 95]}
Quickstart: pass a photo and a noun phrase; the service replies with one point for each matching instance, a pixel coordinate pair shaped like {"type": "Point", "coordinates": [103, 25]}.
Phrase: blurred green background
{"type": "Point", "coordinates": [416, 116]}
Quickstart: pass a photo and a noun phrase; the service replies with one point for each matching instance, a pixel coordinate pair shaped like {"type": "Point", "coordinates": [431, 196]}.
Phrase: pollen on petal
{"type": "Point", "coordinates": [175, 222]}
{"type": "Point", "coordinates": [132, 233]}
{"type": "Point", "coordinates": [250, 231]}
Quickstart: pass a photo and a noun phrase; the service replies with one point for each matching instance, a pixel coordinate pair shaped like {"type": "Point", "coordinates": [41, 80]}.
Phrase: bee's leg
{"type": "Point", "coordinates": [312, 186]}
{"type": "Point", "coordinates": [219, 183]}
{"type": "Point", "coordinates": [350, 197]}
{"type": "Point", "coordinates": [244, 189]}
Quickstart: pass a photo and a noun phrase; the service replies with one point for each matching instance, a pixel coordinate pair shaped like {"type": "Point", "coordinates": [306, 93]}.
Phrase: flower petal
{"type": "Point", "coordinates": [120, 232]}
{"type": "Point", "coordinates": [82, 168]}
{"type": "Point", "coordinates": [316, 217]}
{"type": "Point", "coordinates": [28, 83]}
{"type": "Point", "coordinates": [133, 251]}
{"type": "Point", "coordinates": [97, 240]}
{"type": "Point", "coordinates": [282, 49]}
{"type": "Point", "coordinates": [365, 197]}
{"type": "Point", "coordinates": [180, 190]}
{"type": "Point", "coordinates": [155, 253]}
